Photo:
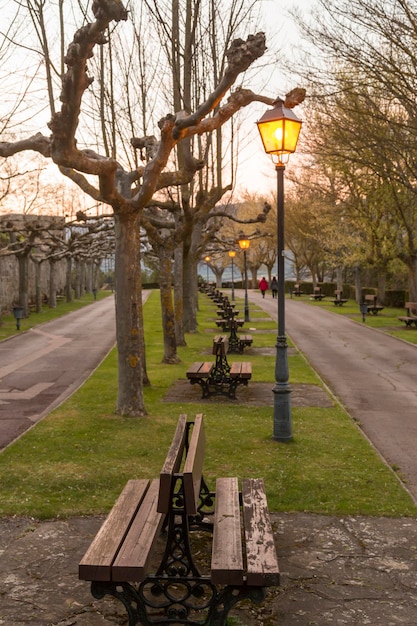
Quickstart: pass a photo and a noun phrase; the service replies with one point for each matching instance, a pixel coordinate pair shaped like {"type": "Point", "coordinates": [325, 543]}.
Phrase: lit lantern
{"type": "Point", "coordinates": [279, 129]}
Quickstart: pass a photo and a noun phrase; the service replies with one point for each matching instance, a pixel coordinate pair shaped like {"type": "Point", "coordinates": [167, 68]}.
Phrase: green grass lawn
{"type": "Point", "coordinates": [76, 461]}
{"type": "Point", "coordinates": [386, 321]}
{"type": "Point", "coordinates": [8, 325]}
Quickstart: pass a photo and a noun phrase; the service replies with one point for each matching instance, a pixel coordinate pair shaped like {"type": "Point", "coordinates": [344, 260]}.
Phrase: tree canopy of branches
{"type": "Point", "coordinates": [362, 126]}
{"type": "Point", "coordinates": [131, 190]}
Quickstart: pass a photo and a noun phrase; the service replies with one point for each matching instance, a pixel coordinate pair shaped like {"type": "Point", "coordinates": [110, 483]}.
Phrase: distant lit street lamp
{"type": "Point", "coordinates": [207, 259]}
{"type": "Point", "coordinates": [279, 128]}
{"type": "Point", "coordinates": [244, 245]}
{"type": "Point", "coordinates": [232, 255]}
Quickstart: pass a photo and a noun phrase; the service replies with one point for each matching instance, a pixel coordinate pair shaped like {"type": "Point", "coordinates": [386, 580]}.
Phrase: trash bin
{"type": "Point", "coordinates": [18, 312]}
{"type": "Point", "coordinates": [364, 310]}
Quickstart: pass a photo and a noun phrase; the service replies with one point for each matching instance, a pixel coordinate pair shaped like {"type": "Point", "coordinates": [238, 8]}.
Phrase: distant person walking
{"type": "Point", "coordinates": [274, 287]}
{"type": "Point", "coordinates": [263, 286]}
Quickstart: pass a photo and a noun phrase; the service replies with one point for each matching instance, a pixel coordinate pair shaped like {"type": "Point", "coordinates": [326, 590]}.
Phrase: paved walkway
{"type": "Point", "coordinates": [371, 373]}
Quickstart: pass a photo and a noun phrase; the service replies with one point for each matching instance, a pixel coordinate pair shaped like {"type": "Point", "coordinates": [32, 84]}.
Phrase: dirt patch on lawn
{"type": "Point", "coordinates": [255, 394]}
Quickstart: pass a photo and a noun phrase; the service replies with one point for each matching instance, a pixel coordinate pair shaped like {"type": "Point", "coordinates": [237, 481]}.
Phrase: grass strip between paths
{"type": "Point", "coordinates": [47, 314]}
{"type": "Point", "coordinates": [77, 460]}
{"type": "Point", "coordinates": [386, 320]}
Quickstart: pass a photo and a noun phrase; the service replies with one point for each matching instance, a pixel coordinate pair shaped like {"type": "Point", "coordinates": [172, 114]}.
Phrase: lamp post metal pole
{"type": "Point", "coordinates": [233, 282]}
{"type": "Point", "coordinates": [246, 289]}
{"type": "Point", "coordinates": [281, 390]}
{"type": "Point", "coordinates": [207, 259]}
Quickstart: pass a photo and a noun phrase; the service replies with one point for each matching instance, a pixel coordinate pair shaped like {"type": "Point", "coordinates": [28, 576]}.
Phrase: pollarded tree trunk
{"type": "Point", "coordinates": [68, 286]}
{"type": "Point", "coordinates": [38, 290]}
{"type": "Point", "coordinates": [339, 278]}
{"type": "Point", "coordinates": [190, 294]}
{"type": "Point", "coordinates": [178, 297]}
{"type": "Point", "coordinates": [129, 328]}
{"type": "Point", "coordinates": [89, 276]}
{"type": "Point", "coordinates": [412, 278]}
{"type": "Point", "coordinates": [52, 284]}
{"type": "Point", "coordinates": [218, 272]}
{"type": "Point", "coordinates": [167, 307]}
{"type": "Point", "coordinates": [77, 279]}
{"type": "Point", "coordinates": [82, 277]}
{"type": "Point", "coordinates": [191, 248]}
{"type": "Point", "coordinates": [358, 284]}
{"type": "Point", "coordinates": [382, 283]}
{"type": "Point", "coordinates": [96, 274]}
{"type": "Point", "coordinates": [23, 262]}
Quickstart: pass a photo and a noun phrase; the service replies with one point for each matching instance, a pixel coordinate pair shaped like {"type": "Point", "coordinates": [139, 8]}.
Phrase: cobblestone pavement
{"type": "Point", "coordinates": [335, 571]}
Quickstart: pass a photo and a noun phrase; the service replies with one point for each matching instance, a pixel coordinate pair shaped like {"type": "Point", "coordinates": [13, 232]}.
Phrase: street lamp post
{"type": "Point", "coordinates": [232, 255]}
{"type": "Point", "coordinates": [207, 259]}
{"type": "Point", "coordinates": [244, 245]}
{"type": "Point", "coordinates": [279, 128]}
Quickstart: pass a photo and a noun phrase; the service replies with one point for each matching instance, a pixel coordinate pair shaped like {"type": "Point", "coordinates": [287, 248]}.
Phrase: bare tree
{"type": "Point", "coordinates": [129, 192]}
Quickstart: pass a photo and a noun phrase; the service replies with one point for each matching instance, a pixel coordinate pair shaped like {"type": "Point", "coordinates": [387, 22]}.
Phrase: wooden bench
{"type": "Point", "coordinates": [297, 291]}
{"type": "Point", "coordinates": [200, 372]}
{"type": "Point", "coordinates": [158, 578]}
{"type": "Point", "coordinates": [218, 297]}
{"type": "Point", "coordinates": [371, 303]}
{"type": "Point", "coordinates": [317, 294]}
{"type": "Point", "coordinates": [339, 300]}
{"type": "Point", "coordinates": [411, 317]}
{"type": "Point", "coordinates": [244, 340]}
{"type": "Point", "coordinates": [219, 378]}
{"type": "Point", "coordinates": [227, 312]}
{"type": "Point", "coordinates": [237, 343]}
{"type": "Point", "coordinates": [226, 323]}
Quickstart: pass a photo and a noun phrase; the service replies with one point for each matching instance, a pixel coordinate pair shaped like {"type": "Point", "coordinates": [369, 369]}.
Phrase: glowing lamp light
{"type": "Point", "coordinates": [279, 128]}
{"type": "Point", "coordinates": [244, 244]}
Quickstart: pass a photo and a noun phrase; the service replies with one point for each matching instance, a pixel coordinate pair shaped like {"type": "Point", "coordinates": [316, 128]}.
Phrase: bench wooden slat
{"type": "Point", "coordinates": [261, 555]}
{"type": "Point", "coordinates": [193, 466]}
{"type": "Point", "coordinates": [172, 464]}
{"type": "Point", "coordinates": [226, 558]}
{"type": "Point", "coordinates": [246, 371]}
{"type": "Point", "coordinates": [97, 561]}
{"type": "Point", "coordinates": [235, 369]}
{"type": "Point", "coordinates": [241, 369]}
{"type": "Point", "coordinates": [411, 309]}
{"type": "Point", "coordinates": [200, 369]}
{"type": "Point", "coordinates": [411, 317]}
{"type": "Point", "coordinates": [132, 561]}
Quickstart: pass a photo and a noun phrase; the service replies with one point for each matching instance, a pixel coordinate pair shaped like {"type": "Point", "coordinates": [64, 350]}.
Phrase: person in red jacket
{"type": "Point", "coordinates": [263, 286]}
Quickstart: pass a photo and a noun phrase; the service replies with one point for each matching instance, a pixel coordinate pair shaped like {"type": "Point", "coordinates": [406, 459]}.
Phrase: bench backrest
{"type": "Point", "coordinates": [412, 307]}
{"type": "Point", "coordinates": [370, 298]}
{"type": "Point", "coordinates": [220, 346]}
{"type": "Point", "coordinates": [191, 449]}
{"type": "Point", "coordinates": [193, 466]}
{"type": "Point", "coordinates": [317, 289]}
